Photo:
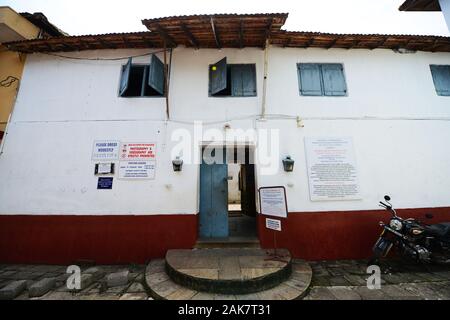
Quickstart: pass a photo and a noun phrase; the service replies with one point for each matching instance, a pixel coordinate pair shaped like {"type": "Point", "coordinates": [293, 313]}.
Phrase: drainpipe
{"type": "Point", "coordinates": [266, 60]}
{"type": "Point", "coordinates": [166, 82]}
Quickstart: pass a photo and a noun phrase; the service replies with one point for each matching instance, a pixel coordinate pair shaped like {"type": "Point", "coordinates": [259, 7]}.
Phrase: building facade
{"type": "Point", "coordinates": [16, 27]}
{"type": "Point", "coordinates": [78, 95]}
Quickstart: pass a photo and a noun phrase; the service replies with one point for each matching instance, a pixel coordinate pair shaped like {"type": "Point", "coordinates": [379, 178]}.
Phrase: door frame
{"type": "Point", "coordinates": [225, 145]}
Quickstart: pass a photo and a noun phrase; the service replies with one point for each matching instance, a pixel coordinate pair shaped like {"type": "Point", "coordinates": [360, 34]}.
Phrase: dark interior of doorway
{"type": "Point", "coordinates": [242, 222]}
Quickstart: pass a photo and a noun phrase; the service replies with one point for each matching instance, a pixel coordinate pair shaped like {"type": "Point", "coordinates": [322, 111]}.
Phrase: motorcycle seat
{"type": "Point", "coordinates": [441, 230]}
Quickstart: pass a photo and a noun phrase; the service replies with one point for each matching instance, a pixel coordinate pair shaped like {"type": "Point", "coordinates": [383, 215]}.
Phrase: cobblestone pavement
{"type": "Point", "coordinates": [346, 280]}
{"type": "Point", "coordinates": [102, 282]}
{"type": "Point", "coordinates": [336, 280]}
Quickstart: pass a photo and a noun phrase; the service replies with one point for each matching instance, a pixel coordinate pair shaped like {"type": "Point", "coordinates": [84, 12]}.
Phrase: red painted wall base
{"type": "Point", "coordinates": [104, 239]}
{"type": "Point", "coordinates": [337, 235]}
{"type": "Point", "coordinates": [57, 239]}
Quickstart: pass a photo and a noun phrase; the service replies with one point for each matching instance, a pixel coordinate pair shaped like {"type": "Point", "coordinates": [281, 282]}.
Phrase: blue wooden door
{"type": "Point", "coordinates": [213, 201]}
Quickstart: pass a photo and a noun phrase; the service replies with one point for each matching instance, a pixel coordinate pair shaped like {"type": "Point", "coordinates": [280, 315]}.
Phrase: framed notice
{"type": "Point", "coordinates": [272, 201]}
{"type": "Point", "coordinates": [332, 170]}
{"type": "Point", "coordinates": [137, 170]}
{"type": "Point", "coordinates": [137, 151]}
{"type": "Point", "coordinates": [105, 150]}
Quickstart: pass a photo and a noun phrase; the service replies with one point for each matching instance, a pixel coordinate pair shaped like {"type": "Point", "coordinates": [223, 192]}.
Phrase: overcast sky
{"type": "Point", "coordinates": [338, 16]}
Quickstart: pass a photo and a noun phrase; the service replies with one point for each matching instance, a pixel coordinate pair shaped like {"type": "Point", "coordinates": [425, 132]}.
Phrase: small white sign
{"type": "Point", "coordinates": [104, 168]}
{"type": "Point", "coordinates": [273, 201]}
{"type": "Point", "coordinates": [105, 150]}
{"type": "Point", "coordinates": [273, 224]}
{"type": "Point", "coordinates": [137, 170]}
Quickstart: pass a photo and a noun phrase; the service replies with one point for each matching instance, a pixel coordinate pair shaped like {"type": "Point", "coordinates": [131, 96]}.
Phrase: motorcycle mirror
{"type": "Point", "coordinates": [429, 216]}
{"type": "Point", "coordinates": [387, 198]}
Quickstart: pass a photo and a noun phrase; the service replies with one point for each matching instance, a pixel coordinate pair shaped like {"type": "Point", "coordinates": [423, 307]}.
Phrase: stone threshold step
{"type": "Point", "coordinates": [159, 285]}
{"type": "Point", "coordinates": [228, 270]}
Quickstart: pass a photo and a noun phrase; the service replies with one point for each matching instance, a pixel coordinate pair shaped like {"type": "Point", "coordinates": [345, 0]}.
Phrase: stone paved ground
{"type": "Point", "coordinates": [335, 280]}
{"type": "Point", "coordinates": [346, 280]}
{"type": "Point", "coordinates": [97, 290]}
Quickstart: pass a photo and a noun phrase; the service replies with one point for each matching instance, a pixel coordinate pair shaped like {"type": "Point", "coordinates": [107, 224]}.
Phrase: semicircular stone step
{"type": "Point", "coordinates": [160, 286]}
{"type": "Point", "coordinates": [228, 270]}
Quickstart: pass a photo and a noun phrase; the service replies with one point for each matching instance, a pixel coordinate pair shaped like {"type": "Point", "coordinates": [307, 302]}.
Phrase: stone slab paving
{"type": "Point", "coordinates": [226, 264]}
{"type": "Point", "coordinates": [162, 287]}
{"type": "Point", "coordinates": [400, 281]}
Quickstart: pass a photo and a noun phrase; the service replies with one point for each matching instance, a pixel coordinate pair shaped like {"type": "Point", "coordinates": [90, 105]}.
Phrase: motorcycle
{"type": "Point", "coordinates": [412, 238]}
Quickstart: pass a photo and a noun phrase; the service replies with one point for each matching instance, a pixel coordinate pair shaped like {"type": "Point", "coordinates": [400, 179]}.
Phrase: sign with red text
{"type": "Point", "coordinates": [137, 151]}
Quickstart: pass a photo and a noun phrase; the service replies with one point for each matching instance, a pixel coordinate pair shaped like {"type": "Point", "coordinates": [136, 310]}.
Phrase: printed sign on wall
{"type": "Point", "coordinates": [273, 224]}
{"type": "Point", "coordinates": [272, 201]}
{"type": "Point", "coordinates": [105, 183]}
{"type": "Point", "coordinates": [137, 170]}
{"type": "Point", "coordinates": [137, 151]}
{"type": "Point", "coordinates": [105, 150]}
{"type": "Point", "coordinates": [332, 170]}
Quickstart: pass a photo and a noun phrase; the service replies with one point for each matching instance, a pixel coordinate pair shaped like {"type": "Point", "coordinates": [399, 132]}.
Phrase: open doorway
{"type": "Point", "coordinates": [242, 222]}
{"type": "Point", "coordinates": [228, 197]}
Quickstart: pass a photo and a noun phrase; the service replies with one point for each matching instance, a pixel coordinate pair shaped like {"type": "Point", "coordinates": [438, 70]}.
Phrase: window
{"type": "Point", "coordinates": [232, 80]}
{"type": "Point", "coordinates": [142, 80]}
{"type": "Point", "coordinates": [441, 79]}
{"type": "Point", "coordinates": [321, 79]}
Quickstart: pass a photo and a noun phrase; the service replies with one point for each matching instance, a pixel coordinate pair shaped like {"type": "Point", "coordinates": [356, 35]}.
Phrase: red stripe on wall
{"type": "Point", "coordinates": [337, 234]}
{"type": "Point", "coordinates": [109, 239]}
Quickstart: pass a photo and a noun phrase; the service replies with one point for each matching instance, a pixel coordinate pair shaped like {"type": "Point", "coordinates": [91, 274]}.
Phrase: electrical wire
{"type": "Point", "coordinates": [102, 59]}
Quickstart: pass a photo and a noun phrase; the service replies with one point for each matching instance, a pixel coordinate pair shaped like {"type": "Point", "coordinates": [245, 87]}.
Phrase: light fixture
{"type": "Point", "coordinates": [177, 164]}
{"type": "Point", "coordinates": [288, 164]}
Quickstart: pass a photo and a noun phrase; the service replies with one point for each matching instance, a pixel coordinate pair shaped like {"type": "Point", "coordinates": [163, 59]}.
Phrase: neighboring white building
{"type": "Point", "coordinates": [378, 105]}
{"type": "Point", "coordinates": [428, 5]}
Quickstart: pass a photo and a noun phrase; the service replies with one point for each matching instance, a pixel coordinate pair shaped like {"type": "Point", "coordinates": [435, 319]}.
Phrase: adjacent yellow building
{"type": "Point", "coordinates": [15, 27]}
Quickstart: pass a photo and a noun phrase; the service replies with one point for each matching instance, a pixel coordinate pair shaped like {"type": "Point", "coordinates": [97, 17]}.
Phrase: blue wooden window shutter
{"type": "Point", "coordinates": [243, 80]}
{"type": "Point", "coordinates": [441, 79]}
{"type": "Point", "coordinates": [218, 76]}
{"type": "Point", "coordinates": [156, 75]}
{"type": "Point", "coordinates": [333, 79]}
{"type": "Point", "coordinates": [309, 79]}
{"type": "Point", "coordinates": [125, 78]}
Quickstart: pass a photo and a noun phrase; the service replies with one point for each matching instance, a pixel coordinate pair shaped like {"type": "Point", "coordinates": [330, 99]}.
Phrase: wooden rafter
{"type": "Point", "coordinates": [379, 43]}
{"type": "Point", "coordinates": [241, 33]}
{"type": "Point", "coordinates": [309, 43]}
{"type": "Point", "coordinates": [268, 32]}
{"type": "Point", "coordinates": [165, 36]}
{"type": "Point", "coordinates": [354, 44]}
{"type": "Point", "coordinates": [190, 36]}
{"type": "Point", "coordinates": [215, 34]}
{"type": "Point", "coordinates": [332, 43]}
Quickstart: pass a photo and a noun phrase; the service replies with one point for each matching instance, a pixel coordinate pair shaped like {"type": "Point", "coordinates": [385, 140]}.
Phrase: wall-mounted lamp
{"type": "Point", "coordinates": [288, 164]}
{"type": "Point", "coordinates": [177, 164]}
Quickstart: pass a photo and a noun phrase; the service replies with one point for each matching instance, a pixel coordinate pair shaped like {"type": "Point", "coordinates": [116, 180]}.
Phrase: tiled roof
{"type": "Point", "coordinates": [230, 31]}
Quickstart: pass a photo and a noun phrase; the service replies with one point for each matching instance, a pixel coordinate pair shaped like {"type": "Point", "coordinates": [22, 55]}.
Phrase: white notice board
{"type": "Point", "coordinates": [332, 170]}
{"type": "Point", "coordinates": [137, 170]}
{"type": "Point", "coordinates": [272, 201]}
